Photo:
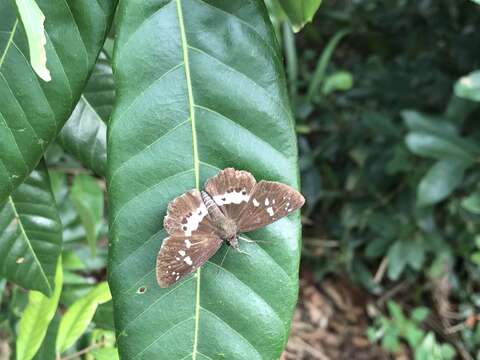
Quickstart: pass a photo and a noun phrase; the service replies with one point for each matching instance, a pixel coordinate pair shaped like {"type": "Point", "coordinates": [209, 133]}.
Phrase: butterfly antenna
{"type": "Point", "coordinates": [223, 259]}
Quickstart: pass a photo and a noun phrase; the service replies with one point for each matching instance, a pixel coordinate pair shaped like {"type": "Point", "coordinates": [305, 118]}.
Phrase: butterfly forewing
{"type": "Point", "coordinates": [187, 215]}
{"type": "Point", "coordinates": [180, 255]}
{"type": "Point", "coordinates": [231, 190]}
{"type": "Point", "coordinates": [268, 202]}
{"type": "Point", "coordinates": [192, 239]}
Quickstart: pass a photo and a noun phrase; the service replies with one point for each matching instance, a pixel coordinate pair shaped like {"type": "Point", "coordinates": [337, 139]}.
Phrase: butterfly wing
{"type": "Point", "coordinates": [268, 202]}
{"type": "Point", "coordinates": [187, 215]}
{"type": "Point", "coordinates": [192, 239]}
{"type": "Point", "coordinates": [231, 190]}
{"type": "Point", "coordinates": [180, 255]}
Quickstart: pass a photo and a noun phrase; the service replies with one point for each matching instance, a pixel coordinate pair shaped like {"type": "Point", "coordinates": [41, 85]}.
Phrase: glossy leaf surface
{"type": "Point", "coordinates": [200, 87]}
{"type": "Point", "coordinates": [31, 234]}
{"type": "Point", "coordinates": [32, 111]}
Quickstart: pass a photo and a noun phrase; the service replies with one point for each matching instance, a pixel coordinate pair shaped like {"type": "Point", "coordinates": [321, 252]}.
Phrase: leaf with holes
{"type": "Point", "coordinates": [200, 87]}
{"type": "Point", "coordinates": [32, 111]}
{"type": "Point", "coordinates": [31, 234]}
{"type": "Point", "coordinates": [84, 134]}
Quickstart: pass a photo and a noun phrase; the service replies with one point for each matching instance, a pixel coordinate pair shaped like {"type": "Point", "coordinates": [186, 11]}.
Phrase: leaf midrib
{"type": "Point", "coordinates": [191, 106]}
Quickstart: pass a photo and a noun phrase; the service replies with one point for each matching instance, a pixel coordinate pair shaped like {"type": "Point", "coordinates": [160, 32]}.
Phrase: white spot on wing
{"type": "Point", "coordinates": [181, 252]}
{"type": "Point", "coordinates": [267, 202]}
{"type": "Point", "coordinates": [270, 211]}
{"type": "Point", "coordinates": [194, 221]}
{"type": "Point", "coordinates": [188, 260]}
{"type": "Point", "coordinates": [188, 243]}
{"type": "Point", "coordinates": [255, 202]}
{"type": "Point", "coordinates": [231, 198]}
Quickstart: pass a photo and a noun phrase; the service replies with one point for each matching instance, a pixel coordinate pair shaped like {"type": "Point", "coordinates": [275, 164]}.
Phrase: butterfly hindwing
{"type": "Point", "coordinates": [268, 202]}
{"type": "Point", "coordinates": [180, 255]}
{"type": "Point", "coordinates": [231, 190]}
{"type": "Point", "coordinates": [187, 215]}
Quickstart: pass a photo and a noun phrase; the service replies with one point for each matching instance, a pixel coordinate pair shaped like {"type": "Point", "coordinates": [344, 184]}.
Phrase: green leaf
{"type": "Point", "coordinates": [437, 147]}
{"type": "Point", "coordinates": [84, 134]}
{"type": "Point", "coordinates": [418, 122]}
{"type": "Point", "coordinates": [405, 252]}
{"type": "Point", "coordinates": [202, 102]}
{"type": "Point", "coordinates": [36, 318]}
{"type": "Point", "coordinates": [32, 19]}
{"type": "Point", "coordinates": [31, 234]}
{"type": "Point", "coordinates": [321, 68]}
{"type": "Point", "coordinates": [105, 354]}
{"type": "Point", "coordinates": [419, 314]}
{"type": "Point", "coordinates": [472, 203]}
{"type": "Point", "coordinates": [338, 81]}
{"type": "Point", "coordinates": [87, 197]}
{"type": "Point", "coordinates": [468, 87]}
{"type": "Point", "coordinates": [79, 315]}
{"type": "Point", "coordinates": [300, 12]}
{"type": "Point", "coordinates": [440, 181]}
{"type": "Point", "coordinates": [47, 350]}
{"type": "Point", "coordinates": [33, 111]}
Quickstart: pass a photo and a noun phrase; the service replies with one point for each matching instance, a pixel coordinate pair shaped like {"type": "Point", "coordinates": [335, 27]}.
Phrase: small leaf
{"type": "Point", "coordinates": [338, 81]}
{"type": "Point", "coordinates": [36, 318]}
{"type": "Point", "coordinates": [434, 146]}
{"type": "Point", "coordinates": [31, 234]}
{"type": "Point", "coordinates": [440, 181]}
{"type": "Point", "coordinates": [79, 315]}
{"type": "Point", "coordinates": [321, 68]}
{"type": "Point", "coordinates": [32, 19]}
{"type": "Point", "coordinates": [87, 197]}
{"type": "Point", "coordinates": [300, 12]}
{"type": "Point", "coordinates": [468, 87]}
{"type": "Point", "coordinates": [472, 203]}
{"type": "Point", "coordinates": [418, 122]}
{"type": "Point", "coordinates": [419, 314]}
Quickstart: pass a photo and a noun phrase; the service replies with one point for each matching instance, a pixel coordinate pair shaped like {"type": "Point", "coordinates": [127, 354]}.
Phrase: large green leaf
{"type": "Point", "coordinates": [84, 134]}
{"type": "Point", "coordinates": [36, 318]}
{"type": "Point", "coordinates": [468, 86]}
{"type": "Point", "coordinates": [32, 112]}
{"type": "Point", "coordinates": [200, 86]}
{"type": "Point", "coordinates": [31, 234]}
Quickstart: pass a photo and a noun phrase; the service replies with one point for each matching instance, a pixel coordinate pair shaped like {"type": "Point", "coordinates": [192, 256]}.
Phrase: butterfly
{"type": "Point", "coordinates": [198, 222]}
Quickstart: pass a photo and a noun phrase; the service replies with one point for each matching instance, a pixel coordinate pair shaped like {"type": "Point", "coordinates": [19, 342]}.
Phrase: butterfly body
{"type": "Point", "coordinates": [226, 228]}
{"type": "Point", "coordinates": [198, 222]}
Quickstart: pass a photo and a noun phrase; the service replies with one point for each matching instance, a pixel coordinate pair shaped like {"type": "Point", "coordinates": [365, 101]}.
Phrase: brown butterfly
{"type": "Point", "coordinates": [199, 221]}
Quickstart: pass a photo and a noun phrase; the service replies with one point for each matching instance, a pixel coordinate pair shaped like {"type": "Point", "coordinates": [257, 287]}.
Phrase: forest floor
{"type": "Point", "coordinates": [331, 322]}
